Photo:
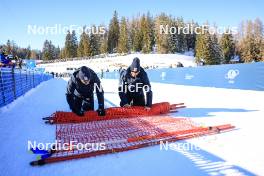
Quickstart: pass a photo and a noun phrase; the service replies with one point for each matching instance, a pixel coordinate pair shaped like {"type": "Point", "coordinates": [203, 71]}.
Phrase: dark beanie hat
{"type": "Point", "coordinates": [84, 73]}
{"type": "Point", "coordinates": [135, 66]}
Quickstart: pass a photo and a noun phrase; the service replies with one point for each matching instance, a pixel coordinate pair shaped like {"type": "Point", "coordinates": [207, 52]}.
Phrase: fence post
{"type": "Point", "coordinates": [20, 80]}
{"type": "Point", "coordinates": [26, 82]}
{"type": "Point", "coordinates": [33, 79]}
{"type": "Point", "coordinates": [14, 82]}
{"type": "Point", "coordinates": [2, 86]}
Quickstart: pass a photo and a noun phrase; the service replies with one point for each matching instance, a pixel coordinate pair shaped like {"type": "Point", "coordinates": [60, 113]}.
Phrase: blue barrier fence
{"type": "Point", "coordinates": [233, 76]}
{"type": "Point", "coordinates": [16, 82]}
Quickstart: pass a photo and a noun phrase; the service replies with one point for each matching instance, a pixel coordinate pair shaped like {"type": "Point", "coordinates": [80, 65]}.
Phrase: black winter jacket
{"type": "Point", "coordinates": [76, 88]}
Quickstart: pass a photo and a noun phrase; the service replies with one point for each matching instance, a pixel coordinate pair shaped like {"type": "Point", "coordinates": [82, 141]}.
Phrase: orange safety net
{"type": "Point", "coordinates": [113, 113]}
{"type": "Point", "coordinates": [122, 134]}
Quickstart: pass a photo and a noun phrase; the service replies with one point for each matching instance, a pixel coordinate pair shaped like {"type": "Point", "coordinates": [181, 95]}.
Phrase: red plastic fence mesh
{"type": "Point", "coordinates": [121, 134]}
{"type": "Point", "coordinates": [113, 113]}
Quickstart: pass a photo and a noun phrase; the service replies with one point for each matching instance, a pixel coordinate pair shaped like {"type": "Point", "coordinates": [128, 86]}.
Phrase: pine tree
{"type": "Point", "coordinates": [74, 43]}
{"type": "Point", "coordinates": [151, 30]}
{"type": "Point", "coordinates": [10, 48]}
{"type": "Point", "coordinates": [205, 49]}
{"type": "Point", "coordinates": [177, 40]}
{"type": "Point", "coordinates": [80, 50]}
{"type": "Point", "coordinates": [251, 41]}
{"type": "Point", "coordinates": [259, 39]}
{"type": "Point", "coordinates": [86, 45]}
{"type": "Point", "coordinates": [182, 42]}
{"type": "Point", "coordinates": [71, 45]}
{"type": "Point", "coordinates": [217, 53]}
{"type": "Point", "coordinates": [34, 54]}
{"type": "Point", "coordinates": [47, 55]}
{"type": "Point", "coordinates": [57, 52]}
{"type": "Point", "coordinates": [173, 38]}
{"type": "Point", "coordinates": [103, 43]}
{"type": "Point", "coordinates": [191, 37]}
{"type": "Point", "coordinates": [138, 37]}
{"type": "Point", "coordinates": [123, 37]}
{"type": "Point", "coordinates": [94, 44]}
{"type": "Point", "coordinates": [227, 46]}
{"type": "Point", "coordinates": [113, 34]}
{"type": "Point", "coordinates": [145, 37]}
{"type": "Point", "coordinates": [132, 34]}
{"type": "Point", "coordinates": [68, 46]}
{"type": "Point", "coordinates": [147, 33]}
{"type": "Point", "coordinates": [45, 50]}
{"type": "Point", "coordinates": [162, 40]}
{"type": "Point", "coordinates": [62, 54]}
{"type": "Point", "coordinates": [52, 50]}
{"type": "Point", "coordinates": [28, 52]}
{"type": "Point", "coordinates": [49, 51]}
{"type": "Point", "coordinates": [14, 48]}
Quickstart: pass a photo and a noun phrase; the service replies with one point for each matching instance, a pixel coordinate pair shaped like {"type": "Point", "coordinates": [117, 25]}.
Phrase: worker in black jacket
{"type": "Point", "coordinates": [132, 84]}
{"type": "Point", "coordinates": [80, 91]}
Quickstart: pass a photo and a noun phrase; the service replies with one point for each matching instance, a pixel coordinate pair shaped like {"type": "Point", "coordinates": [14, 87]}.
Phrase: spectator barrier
{"type": "Point", "coordinates": [246, 76]}
{"type": "Point", "coordinates": [16, 82]}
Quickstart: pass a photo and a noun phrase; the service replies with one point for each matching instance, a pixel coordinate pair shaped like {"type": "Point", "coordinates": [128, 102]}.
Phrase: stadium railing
{"type": "Point", "coordinates": [16, 82]}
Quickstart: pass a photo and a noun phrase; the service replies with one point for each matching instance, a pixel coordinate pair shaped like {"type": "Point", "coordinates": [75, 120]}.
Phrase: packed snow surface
{"type": "Point", "coordinates": [239, 152]}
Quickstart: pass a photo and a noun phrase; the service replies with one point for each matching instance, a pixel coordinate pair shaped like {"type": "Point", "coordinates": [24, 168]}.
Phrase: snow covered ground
{"type": "Point", "coordinates": [114, 63]}
{"type": "Point", "coordinates": [239, 152]}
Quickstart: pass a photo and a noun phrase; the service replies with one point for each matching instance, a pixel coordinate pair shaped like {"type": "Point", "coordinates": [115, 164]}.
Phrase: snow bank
{"type": "Point", "coordinates": [114, 63]}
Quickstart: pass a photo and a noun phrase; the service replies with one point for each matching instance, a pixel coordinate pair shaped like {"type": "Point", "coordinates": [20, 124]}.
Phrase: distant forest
{"type": "Point", "coordinates": [143, 34]}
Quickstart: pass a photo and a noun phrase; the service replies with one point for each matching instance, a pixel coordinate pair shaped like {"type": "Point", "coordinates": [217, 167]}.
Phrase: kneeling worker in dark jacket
{"type": "Point", "coordinates": [131, 85]}
{"type": "Point", "coordinates": [80, 92]}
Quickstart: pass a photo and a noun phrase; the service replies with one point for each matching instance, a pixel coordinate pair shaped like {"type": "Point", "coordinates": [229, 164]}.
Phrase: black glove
{"type": "Point", "coordinates": [101, 112]}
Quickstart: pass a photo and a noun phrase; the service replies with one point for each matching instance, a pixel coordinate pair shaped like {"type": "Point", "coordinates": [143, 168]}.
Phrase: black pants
{"type": "Point", "coordinates": [135, 100]}
{"type": "Point", "coordinates": [85, 104]}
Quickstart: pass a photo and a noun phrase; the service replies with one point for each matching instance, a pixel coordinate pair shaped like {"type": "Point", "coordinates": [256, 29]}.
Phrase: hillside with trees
{"type": "Point", "coordinates": [142, 33]}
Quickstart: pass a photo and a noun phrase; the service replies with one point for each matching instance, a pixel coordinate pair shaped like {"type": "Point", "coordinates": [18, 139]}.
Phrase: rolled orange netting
{"type": "Point", "coordinates": [113, 113]}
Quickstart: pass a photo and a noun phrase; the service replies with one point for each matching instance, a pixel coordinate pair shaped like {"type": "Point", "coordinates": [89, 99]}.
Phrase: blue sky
{"type": "Point", "coordinates": [16, 15]}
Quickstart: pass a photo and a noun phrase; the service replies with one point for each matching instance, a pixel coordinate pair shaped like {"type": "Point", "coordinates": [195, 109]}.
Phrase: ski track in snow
{"type": "Point", "coordinates": [237, 152]}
